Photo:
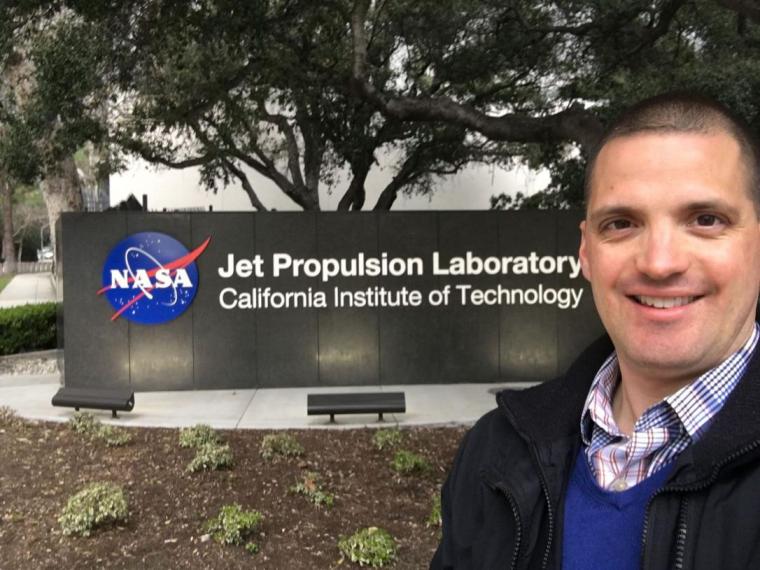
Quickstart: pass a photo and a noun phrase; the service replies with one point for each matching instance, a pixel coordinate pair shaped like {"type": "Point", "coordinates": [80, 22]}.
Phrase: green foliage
{"type": "Point", "coordinates": [435, 519]}
{"type": "Point", "coordinates": [9, 417]}
{"type": "Point", "coordinates": [86, 424]}
{"type": "Point", "coordinates": [311, 487]}
{"type": "Point", "coordinates": [280, 445]}
{"type": "Point", "coordinates": [27, 328]}
{"type": "Point", "coordinates": [114, 436]}
{"type": "Point", "coordinates": [211, 457]}
{"type": "Point", "coordinates": [4, 280]}
{"type": "Point", "coordinates": [197, 436]}
{"type": "Point", "coordinates": [233, 525]}
{"type": "Point", "coordinates": [371, 546]}
{"type": "Point", "coordinates": [387, 438]}
{"type": "Point", "coordinates": [95, 505]}
{"type": "Point", "coordinates": [407, 463]}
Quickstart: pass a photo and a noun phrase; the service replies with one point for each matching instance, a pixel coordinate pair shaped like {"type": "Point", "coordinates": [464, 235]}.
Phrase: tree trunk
{"type": "Point", "coordinates": [6, 205]}
{"type": "Point", "coordinates": [62, 193]}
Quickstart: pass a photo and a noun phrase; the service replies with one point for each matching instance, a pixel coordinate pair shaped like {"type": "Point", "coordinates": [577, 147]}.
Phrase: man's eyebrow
{"type": "Point", "coordinates": [712, 205]}
{"type": "Point", "coordinates": [610, 212]}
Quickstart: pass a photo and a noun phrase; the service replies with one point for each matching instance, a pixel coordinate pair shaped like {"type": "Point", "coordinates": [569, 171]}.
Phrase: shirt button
{"type": "Point", "coordinates": [619, 485]}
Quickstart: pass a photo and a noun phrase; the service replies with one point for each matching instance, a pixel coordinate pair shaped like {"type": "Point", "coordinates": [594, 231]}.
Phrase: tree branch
{"type": "Point", "coordinates": [748, 8]}
{"type": "Point", "coordinates": [229, 165]}
{"type": "Point", "coordinates": [573, 124]}
{"type": "Point", "coordinates": [294, 154]}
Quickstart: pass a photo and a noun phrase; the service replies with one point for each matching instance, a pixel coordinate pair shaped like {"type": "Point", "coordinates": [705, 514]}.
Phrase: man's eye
{"type": "Point", "coordinates": [617, 225]}
{"type": "Point", "coordinates": [707, 220]}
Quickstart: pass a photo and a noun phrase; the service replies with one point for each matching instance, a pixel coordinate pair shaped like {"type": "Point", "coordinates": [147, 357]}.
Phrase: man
{"type": "Point", "coordinates": [646, 454]}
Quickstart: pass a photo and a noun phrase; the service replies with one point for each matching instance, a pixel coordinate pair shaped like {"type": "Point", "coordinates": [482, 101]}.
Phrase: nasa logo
{"type": "Point", "coordinates": [151, 278]}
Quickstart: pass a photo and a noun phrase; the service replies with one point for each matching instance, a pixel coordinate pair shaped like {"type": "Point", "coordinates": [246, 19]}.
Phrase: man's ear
{"type": "Point", "coordinates": [583, 252]}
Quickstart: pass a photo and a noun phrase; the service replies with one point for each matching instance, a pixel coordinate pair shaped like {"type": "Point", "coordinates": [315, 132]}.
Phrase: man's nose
{"type": "Point", "coordinates": [663, 253]}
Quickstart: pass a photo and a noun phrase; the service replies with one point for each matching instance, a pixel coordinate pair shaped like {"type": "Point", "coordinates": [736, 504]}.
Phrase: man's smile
{"type": "Point", "coordinates": [664, 302]}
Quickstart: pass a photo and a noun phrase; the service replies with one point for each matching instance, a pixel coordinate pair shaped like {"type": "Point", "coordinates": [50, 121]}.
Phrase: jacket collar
{"type": "Point", "coordinates": [551, 411]}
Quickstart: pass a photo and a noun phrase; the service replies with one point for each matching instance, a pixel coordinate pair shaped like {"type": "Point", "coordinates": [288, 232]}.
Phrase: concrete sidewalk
{"type": "Point", "coordinates": [28, 288]}
{"type": "Point", "coordinates": [270, 408]}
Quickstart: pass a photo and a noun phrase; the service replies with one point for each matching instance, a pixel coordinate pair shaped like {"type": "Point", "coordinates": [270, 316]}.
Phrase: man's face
{"type": "Point", "coordinates": [671, 246]}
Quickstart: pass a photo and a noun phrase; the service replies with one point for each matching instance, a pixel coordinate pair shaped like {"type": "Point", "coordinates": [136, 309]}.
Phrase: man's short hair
{"type": "Point", "coordinates": [680, 112]}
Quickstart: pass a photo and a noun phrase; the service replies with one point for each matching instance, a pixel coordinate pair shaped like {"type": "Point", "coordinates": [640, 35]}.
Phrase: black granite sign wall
{"type": "Point", "coordinates": [336, 299]}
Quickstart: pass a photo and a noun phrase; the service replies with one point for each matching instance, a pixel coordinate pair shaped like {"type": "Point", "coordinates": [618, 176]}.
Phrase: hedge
{"type": "Point", "coordinates": [27, 328]}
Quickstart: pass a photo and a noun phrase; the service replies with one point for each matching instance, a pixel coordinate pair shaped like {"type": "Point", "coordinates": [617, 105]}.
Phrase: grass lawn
{"type": "Point", "coordinates": [4, 280]}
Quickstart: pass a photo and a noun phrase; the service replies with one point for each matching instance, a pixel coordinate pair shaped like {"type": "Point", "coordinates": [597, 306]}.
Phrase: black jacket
{"type": "Point", "coordinates": [503, 500]}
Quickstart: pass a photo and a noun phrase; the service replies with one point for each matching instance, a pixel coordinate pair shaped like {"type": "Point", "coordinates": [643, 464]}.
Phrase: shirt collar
{"type": "Point", "coordinates": [694, 405]}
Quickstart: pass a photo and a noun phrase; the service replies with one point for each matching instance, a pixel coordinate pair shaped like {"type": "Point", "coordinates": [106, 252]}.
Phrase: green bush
{"type": "Point", "coordinates": [27, 328]}
{"type": "Point", "coordinates": [198, 435]}
{"type": "Point", "coordinates": [233, 525]}
{"type": "Point", "coordinates": [387, 438]}
{"type": "Point", "coordinates": [114, 436]}
{"type": "Point", "coordinates": [406, 463]}
{"type": "Point", "coordinates": [369, 547]}
{"type": "Point", "coordinates": [280, 445]}
{"type": "Point", "coordinates": [211, 456]}
{"type": "Point", "coordinates": [9, 417]}
{"type": "Point", "coordinates": [95, 505]}
{"type": "Point", "coordinates": [85, 423]}
{"type": "Point", "coordinates": [310, 487]}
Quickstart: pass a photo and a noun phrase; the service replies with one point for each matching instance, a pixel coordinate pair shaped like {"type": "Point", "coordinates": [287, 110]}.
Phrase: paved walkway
{"type": "Point", "coordinates": [26, 288]}
{"type": "Point", "coordinates": [270, 408]}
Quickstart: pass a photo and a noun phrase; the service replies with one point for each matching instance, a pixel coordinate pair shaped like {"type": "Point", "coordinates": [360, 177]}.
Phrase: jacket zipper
{"type": "Point", "coordinates": [682, 529]}
{"type": "Point", "coordinates": [549, 511]}
{"type": "Point", "coordinates": [518, 522]}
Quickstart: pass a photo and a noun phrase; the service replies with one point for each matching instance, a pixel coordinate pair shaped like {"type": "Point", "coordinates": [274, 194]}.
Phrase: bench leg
{"type": "Point", "coordinates": [332, 418]}
{"type": "Point", "coordinates": [380, 417]}
{"type": "Point", "coordinates": [113, 414]}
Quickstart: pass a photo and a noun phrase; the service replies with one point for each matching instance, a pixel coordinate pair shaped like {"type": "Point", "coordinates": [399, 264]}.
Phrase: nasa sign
{"type": "Point", "coordinates": [150, 278]}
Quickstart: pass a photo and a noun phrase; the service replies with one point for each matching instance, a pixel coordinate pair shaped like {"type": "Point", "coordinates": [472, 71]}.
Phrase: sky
{"type": "Point", "coordinates": [177, 189]}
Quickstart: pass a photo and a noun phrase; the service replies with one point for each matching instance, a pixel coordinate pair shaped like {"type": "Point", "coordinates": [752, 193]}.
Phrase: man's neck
{"type": "Point", "coordinates": [635, 394]}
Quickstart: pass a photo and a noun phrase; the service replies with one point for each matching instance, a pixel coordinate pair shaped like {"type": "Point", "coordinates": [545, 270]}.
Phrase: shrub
{"type": "Point", "coordinates": [198, 435]}
{"type": "Point", "coordinates": [406, 463]}
{"type": "Point", "coordinates": [370, 546]}
{"type": "Point", "coordinates": [95, 505]}
{"type": "Point", "coordinates": [435, 518]}
{"type": "Point", "coordinates": [387, 438]}
{"type": "Point", "coordinates": [310, 487]}
{"type": "Point", "coordinates": [233, 525]}
{"type": "Point", "coordinates": [114, 436]}
{"type": "Point", "coordinates": [211, 456]}
{"type": "Point", "coordinates": [280, 445]}
{"type": "Point", "coordinates": [86, 424]}
{"type": "Point", "coordinates": [9, 417]}
{"type": "Point", "coordinates": [27, 328]}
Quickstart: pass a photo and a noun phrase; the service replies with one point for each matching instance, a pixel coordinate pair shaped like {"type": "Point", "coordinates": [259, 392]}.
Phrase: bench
{"type": "Point", "coordinates": [122, 399]}
{"type": "Point", "coordinates": [355, 403]}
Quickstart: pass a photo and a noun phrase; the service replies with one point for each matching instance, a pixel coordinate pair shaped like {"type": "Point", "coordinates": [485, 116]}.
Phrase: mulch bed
{"type": "Point", "coordinates": [42, 464]}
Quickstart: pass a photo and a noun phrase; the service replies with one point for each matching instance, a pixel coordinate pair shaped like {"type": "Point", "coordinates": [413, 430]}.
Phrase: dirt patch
{"type": "Point", "coordinates": [42, 464]}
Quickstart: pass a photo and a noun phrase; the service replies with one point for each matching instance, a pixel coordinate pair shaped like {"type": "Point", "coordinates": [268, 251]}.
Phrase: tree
{"type": "Point", "coordinates": [545, 76]}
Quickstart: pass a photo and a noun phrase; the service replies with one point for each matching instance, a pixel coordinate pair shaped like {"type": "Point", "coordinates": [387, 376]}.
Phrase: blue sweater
{"type": "Point", "coordinates": [602, 529]}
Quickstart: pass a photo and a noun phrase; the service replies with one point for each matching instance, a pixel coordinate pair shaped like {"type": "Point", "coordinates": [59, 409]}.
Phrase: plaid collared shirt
{"type": "Point", "coordinates": [663, 431]}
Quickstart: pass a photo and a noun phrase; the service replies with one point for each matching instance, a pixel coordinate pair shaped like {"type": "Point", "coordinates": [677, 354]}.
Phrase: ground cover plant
{"type": "Point", "coordinates": [44, 464]}
{"type": "Point", "coordinates": [387, 438]}
{"type": "Point", "coordinates": [233, 525]}
{"type": "Point", "coordinates": [407, 462]}
{"type": "Point", "coordinates": [85, 423]}
{"type": "Point", "coordinates": [369, 547]}
{"type": "Point", "coordinates": [310, 486]}
{"type": "Point", "coordinates": [95, 505]}
{"type": "Point", "coordinates": [277, 445]}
